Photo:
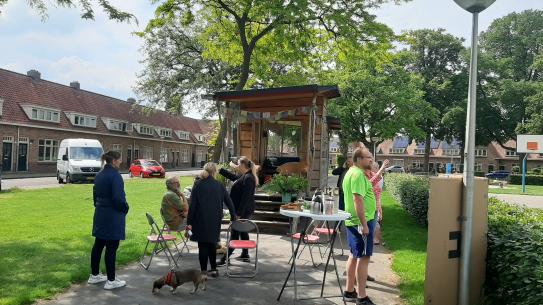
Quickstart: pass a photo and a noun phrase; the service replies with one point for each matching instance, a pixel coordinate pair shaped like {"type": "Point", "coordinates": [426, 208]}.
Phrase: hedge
{"type": "Point", "coordinates": [514, 271]}
{"type": "Point", "coordinates": [412, 192]}
{"type": "Point", "coordinates": [530, 179]}
{"type": "Point", "coordinates": [514, 264]}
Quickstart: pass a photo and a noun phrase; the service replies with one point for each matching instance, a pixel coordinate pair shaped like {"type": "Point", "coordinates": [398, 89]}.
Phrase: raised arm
{"type": "Point", "coordinates": [228, 175]}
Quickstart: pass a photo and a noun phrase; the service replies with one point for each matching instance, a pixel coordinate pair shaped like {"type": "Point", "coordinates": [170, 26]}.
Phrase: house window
{"type": "Point", "coordinates": [136, 152]}
{"type": "Point", "coordinates": [490, 168]}
{"type": "Point", "coordinates": [165, 133]}
{"type": "Point", "coordinates": [42, 114]}
{"type": "Point", "coordinates": [163, 155]}
{"type": "Point", "coordinates": [480, 152]}
{"type": "Point", "coordinates": [417, 164]}
{"type": "Point", "coordinates": [478, 167]}
{"type": "Point", "coordinates": [397, 150]}
{"type": "Point", "coordinates": [1, 106]}
{"type": "Point", "coordinates": [147, 130]}
{"type": "Point", "coordinates": [333, 149]}
{"type": "Point", "coordinates": [399, 162]}
{"type": "Point", "coordinates": [117, 125]}
{"type": "Point", "coordinates": [350, 150]}
{"type": "Point", "coordinates": [147, 152]}
{"type": "Point", "coordinates": [81, 120]}
{"type": "Point", "coordinates": [451, 152]}
{"type": "Point", "coordinates": [183, 135]}
{"type": "Point", "coordinates": [501, 167]}
{"type": "Point", "coordinates": [200, 156]}
{"type": "Point", "coordinates": [419, 151]}
{"type": "Point", "coordinates": [185, 155]}
{"type": "Point", "coordinates": [117, 148]}
{"type": "Point", "coordinates": [510, 153]}
{"type": "Point", "coordinates": [47, 150]}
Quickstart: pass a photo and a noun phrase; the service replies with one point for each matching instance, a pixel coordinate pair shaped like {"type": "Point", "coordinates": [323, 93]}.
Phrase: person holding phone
{"type": "Point", "coordinates": [361, 204]}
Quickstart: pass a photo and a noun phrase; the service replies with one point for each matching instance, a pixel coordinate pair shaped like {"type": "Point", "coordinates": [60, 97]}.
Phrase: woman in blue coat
{"type": "Point", "coordinates": [110, 209]}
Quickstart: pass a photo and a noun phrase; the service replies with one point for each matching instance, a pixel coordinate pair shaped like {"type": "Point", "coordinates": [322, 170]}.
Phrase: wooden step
{"type": "Point", "coordinates": [265, 226]}
{"type": "Point", "coordinates": [268, 205]}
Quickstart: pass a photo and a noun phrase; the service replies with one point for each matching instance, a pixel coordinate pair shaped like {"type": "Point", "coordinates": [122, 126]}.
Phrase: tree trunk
{"type": "Point", "coordinates": [462, 155]}
{"type": "Point", "coordinates": [427, 149]}
{"type": "Point", "coordinates": [217, 150]}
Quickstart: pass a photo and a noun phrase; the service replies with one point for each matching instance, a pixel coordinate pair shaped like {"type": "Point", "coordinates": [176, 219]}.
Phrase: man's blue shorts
{"type": "Point", "coordinates": [361, 245]}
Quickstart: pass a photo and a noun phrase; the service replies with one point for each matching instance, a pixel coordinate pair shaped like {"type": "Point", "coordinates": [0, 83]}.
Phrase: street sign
{"type": "Point", "coordinates": [530, 144]}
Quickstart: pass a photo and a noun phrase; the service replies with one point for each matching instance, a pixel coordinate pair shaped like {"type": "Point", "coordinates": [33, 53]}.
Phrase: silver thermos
{"type": "Point", "coordinates": [317, 202]}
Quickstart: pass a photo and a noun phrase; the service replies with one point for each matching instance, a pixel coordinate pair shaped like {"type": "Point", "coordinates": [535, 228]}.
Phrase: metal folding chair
{"type": "Point", "coordinates": [323, 230]}
{"type": "Point", "coordinates": [247, 226]}
{"type": "Point", "coordinates": [160, 242]}
{"type": "Point", "coordinates": [180, 233]}
{"type": "Point", "coordinates": [309, 241]}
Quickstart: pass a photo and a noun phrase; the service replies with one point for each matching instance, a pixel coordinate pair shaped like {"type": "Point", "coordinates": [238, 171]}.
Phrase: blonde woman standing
{"type": "Point", "coordinates": [205, 216]}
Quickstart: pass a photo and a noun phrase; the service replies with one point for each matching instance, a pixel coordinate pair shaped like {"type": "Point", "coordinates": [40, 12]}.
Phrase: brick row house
{"type": "Point", "coordinates": [36, 115]}
{"type": "Point", "coordinates": [410, 155]}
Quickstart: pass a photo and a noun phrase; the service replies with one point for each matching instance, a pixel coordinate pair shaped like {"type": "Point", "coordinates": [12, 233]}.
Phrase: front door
{"type": "Point", "coordinates": [129, 157]}
{"type": "Point", "coordinates": [22, 164]}
{"type": "Point", "coordinates": [7, 149]}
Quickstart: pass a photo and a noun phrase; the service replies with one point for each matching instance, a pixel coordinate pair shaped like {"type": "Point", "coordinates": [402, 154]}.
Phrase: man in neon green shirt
{"type": "Point", "coordinates": [360, 203]}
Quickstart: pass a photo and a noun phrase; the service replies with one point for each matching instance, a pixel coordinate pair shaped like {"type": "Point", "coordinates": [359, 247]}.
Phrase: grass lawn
{"type": "Point", "coordinates": [407, 240]}
{"type": "Point", "coordinates": [45, 237]}
{"type": "Point", "coordinates": [536, 190]}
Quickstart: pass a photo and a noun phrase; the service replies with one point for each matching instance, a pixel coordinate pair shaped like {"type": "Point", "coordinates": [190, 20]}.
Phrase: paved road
{"type": "Point", "coordinates": [529, 201]}
{"type": "Point", "coordinates": [48, 182]}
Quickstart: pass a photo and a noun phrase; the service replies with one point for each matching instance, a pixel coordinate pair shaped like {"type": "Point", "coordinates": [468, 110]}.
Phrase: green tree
{"type": "Point", "coordinates": [435, 56]}
{"type": "Point", "coordinates": [85, 6]}
{"type": "Point", "coordinates": [378, 101]}
{"type": "Point", "coordinates": [513, 46]}
{"type": "Point", "coordinates": [272, 42]}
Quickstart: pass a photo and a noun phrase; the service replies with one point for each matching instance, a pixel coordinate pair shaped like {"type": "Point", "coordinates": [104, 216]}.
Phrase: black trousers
{"type": "Point", "coordinates": [239, 236]}
{"type": "Point", "coordinates": [207, 252]}
{"type": "Point", "coordinates": [110, 256]}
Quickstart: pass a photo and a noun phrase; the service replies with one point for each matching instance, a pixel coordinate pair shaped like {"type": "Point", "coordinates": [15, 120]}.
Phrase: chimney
{"type": "Point", "coordinates": [75, 85]}
{"type": "Point", "coordinates": [131, 100]}
{"type": "Point", "coordinates": [34, 74]}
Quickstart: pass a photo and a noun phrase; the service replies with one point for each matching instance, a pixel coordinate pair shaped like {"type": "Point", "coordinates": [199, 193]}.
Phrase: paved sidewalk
{"type": "Point", "coordinates": [527, 200]}
{"type": "Point", "coordinates": [263, 289]}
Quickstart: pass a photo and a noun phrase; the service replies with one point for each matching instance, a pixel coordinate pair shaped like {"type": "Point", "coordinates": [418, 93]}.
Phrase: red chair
{"type": "Point", "coordinates": [160, 242]}
{"type": "Point", "coordinates": [310, 241]}
{"type": "Point", "coordinates": [242, 225]}
{"type": "Point", "coordinates": [325, 231]}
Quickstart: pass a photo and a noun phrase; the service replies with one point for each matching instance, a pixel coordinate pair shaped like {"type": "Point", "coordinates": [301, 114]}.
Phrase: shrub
{"type": "Point", "coordinates": [537, 170]}
{"type": "Point", "coordinates": [530, 179]}
{"type": "Point", "coordinates": [412, 192]}
{"type": "Point", "coordinates": [514, 272]}
{"type": "Point", "coordinates": [479, 174]}
{"type": "Point", "coordinates": [340, 159]}
{"type": "Point", "coordinates": [515, 169]}
{"type": "Point", "coordinates": [286, 184]}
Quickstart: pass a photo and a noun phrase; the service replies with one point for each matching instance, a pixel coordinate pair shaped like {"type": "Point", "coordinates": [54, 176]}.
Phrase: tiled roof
{"type": "Point", "coordinates": [19, 89]}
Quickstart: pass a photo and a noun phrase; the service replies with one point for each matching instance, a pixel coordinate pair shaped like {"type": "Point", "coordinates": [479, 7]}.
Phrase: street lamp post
{"type": "Point", "coordinates": [474, 7]}
{"type": "Point", "coordinates": [374, 140]}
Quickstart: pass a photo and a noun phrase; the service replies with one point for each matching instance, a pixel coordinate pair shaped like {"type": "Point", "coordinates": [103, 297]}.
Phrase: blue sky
{"type": "Point", "coordinates": [105, 57]}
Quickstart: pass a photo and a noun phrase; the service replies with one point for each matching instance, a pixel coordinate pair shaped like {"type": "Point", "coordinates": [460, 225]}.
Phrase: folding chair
{"type": "Point", "coordinates": [310, 240]}
{"type": "Point", "coordinates": [323, 230]}
{"type": "Point", "coordinates": [247, 226]}
{"type": "Point", "coordinates": [180, 233]}
{"type": "Point", "coordinates": [160, 242]}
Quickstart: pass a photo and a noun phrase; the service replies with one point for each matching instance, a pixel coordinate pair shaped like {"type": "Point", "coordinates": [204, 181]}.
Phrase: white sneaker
{"type": "Point", "coordinates": [94, 279]}
{"type": "Point", "coordinates": [114, 284]}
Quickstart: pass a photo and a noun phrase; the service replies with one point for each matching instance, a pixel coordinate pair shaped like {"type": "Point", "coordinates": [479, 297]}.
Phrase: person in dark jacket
{"type": "Point", "coordinates": [108, 228]}
{"type": "Point", "coordinates": [341, 171]}
{"type": "Point", "coordinates": [242, 194]}
{"type": "Point", "coordinates": [205, 216]}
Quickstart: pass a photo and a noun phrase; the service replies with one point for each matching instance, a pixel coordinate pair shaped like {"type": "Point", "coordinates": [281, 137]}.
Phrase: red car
{"type": "Point", "coordinates": [146, 168]}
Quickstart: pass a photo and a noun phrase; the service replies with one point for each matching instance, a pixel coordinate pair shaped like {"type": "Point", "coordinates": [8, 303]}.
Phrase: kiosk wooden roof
{"type": "Point", "coordinates": [250, 138]}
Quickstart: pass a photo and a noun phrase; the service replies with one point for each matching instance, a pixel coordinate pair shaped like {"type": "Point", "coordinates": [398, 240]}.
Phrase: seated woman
{"type": "Point", "coordinates": [174, 207]}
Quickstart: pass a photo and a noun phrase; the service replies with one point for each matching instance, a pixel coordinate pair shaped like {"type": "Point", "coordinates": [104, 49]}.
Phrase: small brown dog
{"type": "Point", "coordinates": [175, 279]}
{"type": "Point", "coordinates": [299, 168]}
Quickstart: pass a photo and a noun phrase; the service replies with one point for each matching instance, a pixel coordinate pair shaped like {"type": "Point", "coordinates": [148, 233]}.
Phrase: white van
{"type": "Point", "coordinates": [78, 160]}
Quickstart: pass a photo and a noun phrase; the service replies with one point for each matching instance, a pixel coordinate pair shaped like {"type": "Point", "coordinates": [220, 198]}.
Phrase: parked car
{"type": "Point", "coordinates": [146, 168]}
{"type": "Point", "coordinates": [78, 160]}
{"type": "Point", "coordinates": [498, 175]}
{"type": "Point", "coordinates": [395, 169]}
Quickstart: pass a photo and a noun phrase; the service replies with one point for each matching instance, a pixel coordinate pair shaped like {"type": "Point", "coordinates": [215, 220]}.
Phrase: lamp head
{"type": "Point", "coordinates": [474, 6]}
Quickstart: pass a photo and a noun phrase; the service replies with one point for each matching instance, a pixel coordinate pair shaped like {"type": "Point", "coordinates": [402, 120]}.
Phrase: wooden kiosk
{"type": "Point", "coordinates": [252, 114]}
